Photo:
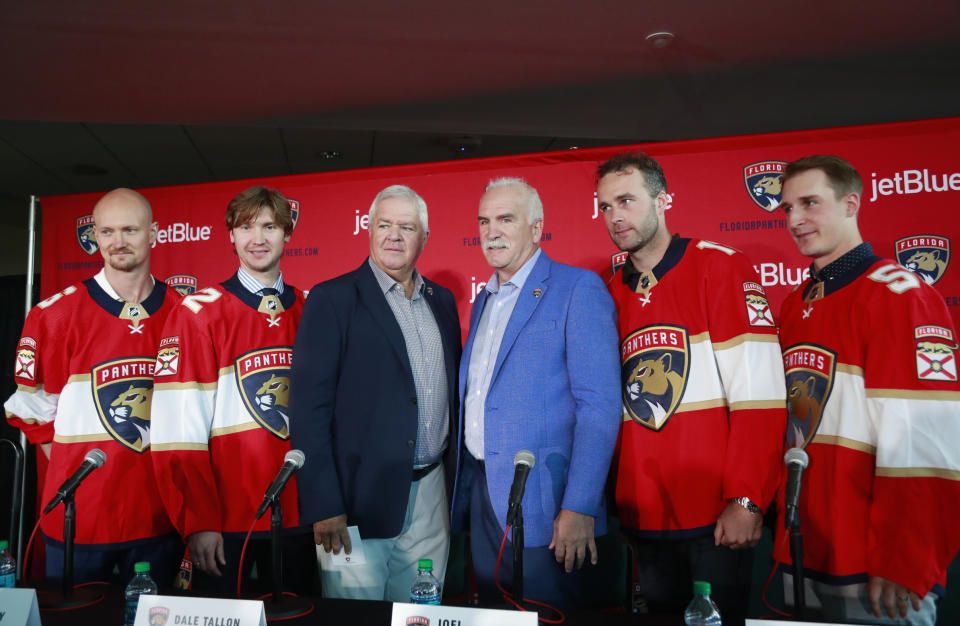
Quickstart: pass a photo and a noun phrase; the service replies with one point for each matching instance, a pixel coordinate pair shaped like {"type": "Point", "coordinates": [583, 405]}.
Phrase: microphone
{"type": "Point", "coordinates": [523, 462]}
{"type": "Point", "coordinates": [796, 460]}
{"type": "Point", "coordinates": [291, 463]}
{"type": "Point", "coordinates": [94, 459]}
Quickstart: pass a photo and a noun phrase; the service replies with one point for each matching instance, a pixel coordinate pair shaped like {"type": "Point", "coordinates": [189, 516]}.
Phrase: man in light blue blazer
{"type": "Point", "coordinates": [540, 371]}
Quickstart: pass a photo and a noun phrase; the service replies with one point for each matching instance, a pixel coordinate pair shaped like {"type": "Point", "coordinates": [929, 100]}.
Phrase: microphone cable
{"type": "Point", "coordinates": [509, 597]}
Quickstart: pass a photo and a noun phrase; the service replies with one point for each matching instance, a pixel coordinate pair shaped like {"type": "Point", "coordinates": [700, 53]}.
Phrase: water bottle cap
{"type": "Point", "coordinates": [426, 564]}
{"type": "Point", "coordinates": [701, 587]}
{"type": "Point", "coordinates": [142, 566]}
{"type": "Point", "coordinates": [4, 545]}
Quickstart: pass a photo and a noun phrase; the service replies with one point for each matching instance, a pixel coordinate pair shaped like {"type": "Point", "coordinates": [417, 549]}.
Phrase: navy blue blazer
{"type": "Point", "coordinates": [353, 408]}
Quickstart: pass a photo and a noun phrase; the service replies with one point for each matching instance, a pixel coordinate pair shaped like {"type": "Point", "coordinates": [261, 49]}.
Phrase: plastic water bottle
{"type": "Point", "coordinates": [701, 611]}
{"type": "Point", "coordinates": [426, 588]}
{"type": "Point", "coordinates": [140, 584]}
{"type": "Point", "coordinates": [8, 567]}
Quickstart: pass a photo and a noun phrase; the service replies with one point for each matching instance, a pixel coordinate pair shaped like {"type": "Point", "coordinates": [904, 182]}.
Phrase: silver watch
{"type": "Point", "coordinates": [748, 504]}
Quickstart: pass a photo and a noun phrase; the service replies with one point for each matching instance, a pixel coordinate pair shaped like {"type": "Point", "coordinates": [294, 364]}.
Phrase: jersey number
{"type": "Point", "coordinates": [56, 296]}
{"type": "Point", "coordinates": [195, 301]}
{"type": "Point", "coordinates": [897, 279]}
{"type": "Point", "coordinates": [715, 246]}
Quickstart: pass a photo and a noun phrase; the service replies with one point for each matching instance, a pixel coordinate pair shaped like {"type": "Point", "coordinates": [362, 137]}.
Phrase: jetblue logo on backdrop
{"type": "Point", "coordinates": [910, 182]}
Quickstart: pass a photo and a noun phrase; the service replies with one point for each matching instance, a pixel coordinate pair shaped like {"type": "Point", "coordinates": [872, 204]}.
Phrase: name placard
{"type": "Point", "coordinates": [434, 615]}
{"type": "Point", "coordinates": [184, 611]}
{"type": "Point", "coordinates": [18, 607]}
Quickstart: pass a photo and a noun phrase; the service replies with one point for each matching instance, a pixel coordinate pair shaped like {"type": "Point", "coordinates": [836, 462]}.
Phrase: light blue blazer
{"type": "Point", "coordinates": [555, 391]}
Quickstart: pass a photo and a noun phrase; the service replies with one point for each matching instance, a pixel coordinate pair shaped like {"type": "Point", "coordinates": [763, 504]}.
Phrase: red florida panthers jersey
{"type": "Point", "coordinates": [84, 372]}
{"type": "Point", "coordinates": [872, 390]}
{"type": "Point", "coordinates": [703, 407]}
{"type": "Point", "coordinates": [221, 391]}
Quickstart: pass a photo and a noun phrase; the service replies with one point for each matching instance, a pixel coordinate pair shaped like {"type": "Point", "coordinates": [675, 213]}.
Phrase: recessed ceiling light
{"type": "Point", "coordinates": [330, 154]}
{"type": "Point", "coordinates": [660, 38]}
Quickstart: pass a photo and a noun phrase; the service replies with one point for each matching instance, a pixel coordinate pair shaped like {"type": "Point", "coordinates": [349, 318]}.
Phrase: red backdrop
{"type": "Point", "coordinates": [911, 191]}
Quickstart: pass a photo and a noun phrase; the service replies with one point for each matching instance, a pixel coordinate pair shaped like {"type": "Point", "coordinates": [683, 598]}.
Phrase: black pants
{"type": "Point", "coordinates": [298, 556]}
{"type": "Point", "coordinates": [666, 569]}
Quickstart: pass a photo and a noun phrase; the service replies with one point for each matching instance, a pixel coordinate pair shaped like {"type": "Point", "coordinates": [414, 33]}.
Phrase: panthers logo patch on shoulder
{"type": "Point", "coordinates": [654, 367]}
{"type": "Point", "coordinates": [263, 377]}
{"type": "Point", "coordinates": [122, 392]}
{"type": "Point", "coordinates": [936, 353]}
{"type": "Point", "coordinates": [86, 236]}
{"type": "Point", "coordinates": [927, 256]}
{"type": "Point", "coordinates": [764, 181]}
{"type": "Point", "coordinates": [758, 309]}
{"type": "Point", "coordinates": [810, 371]}
{"type": "Point", "coordinates": [168, 357]}
{"type": "Point", "coordinates": [25, 366]}
{"type": "Point", "coordinates": [184, 284]}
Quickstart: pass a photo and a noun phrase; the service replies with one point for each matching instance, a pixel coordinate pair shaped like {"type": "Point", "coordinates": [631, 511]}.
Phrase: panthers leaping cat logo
{"type": "Point", "coordinates": [86, 235]}
{"type": "Point", "coordinates": [654, 371]}
{"type": "Point", "coordinates": [927, 264]}
{"type": "Point", "coordinates": [132, 408]}
{"type": "Point", "coordinates": [803, 407]}
{"type": "Point", "coordinates": [274, 393]}
{"type": "Point", "coordinates": [764, 183]}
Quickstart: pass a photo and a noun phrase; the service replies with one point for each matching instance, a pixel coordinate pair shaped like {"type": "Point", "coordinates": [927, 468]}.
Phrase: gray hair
{"type": "Point", "coordinates": [534, 205]}
{"type": "Point", "coordinates": [404, 193]}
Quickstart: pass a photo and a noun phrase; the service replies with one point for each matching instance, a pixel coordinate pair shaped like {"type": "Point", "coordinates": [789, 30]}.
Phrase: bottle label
{"type": "Point", "coordinates": [8, 580]}
{"type": "Point", "coordinates": [130, 614]}
{"type": "Point", "coordinates": [431, 599]}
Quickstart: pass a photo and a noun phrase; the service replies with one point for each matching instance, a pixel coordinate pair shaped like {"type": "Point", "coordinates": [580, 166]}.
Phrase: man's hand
{"type": "Point", "coordinates": [737, 527]}
{"type": "Point", "coordinates": [206, 550]}
{"type": "Point", "coordinates": [895, 598]}
{"type": "Point", "coordinates": [572, 537]}
{"type": "Point", "coordinates": [331, 533]}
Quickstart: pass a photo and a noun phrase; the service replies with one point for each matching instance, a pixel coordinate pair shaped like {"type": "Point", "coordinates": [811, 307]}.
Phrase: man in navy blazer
{"type": "Point", "coordinates": [373, 407]}
{"type": "Point", "coordinates": [540, 372]}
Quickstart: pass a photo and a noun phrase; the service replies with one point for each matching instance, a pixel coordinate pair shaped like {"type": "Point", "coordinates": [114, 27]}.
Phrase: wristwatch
{"type": "Point", "coordinates": [748, 504]}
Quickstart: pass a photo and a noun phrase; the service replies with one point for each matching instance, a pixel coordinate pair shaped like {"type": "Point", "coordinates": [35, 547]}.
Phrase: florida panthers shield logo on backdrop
{"type": "Point", "coordinates": [927, 256]}
{"type": "Point", "coordinates": [764, 181]}
{"type": "Point", "coordinates": [122, 391]}
{"type": "Point", "coordinates": [810, 373]}
{"type": "Point", "coordinates": [184, 284]}
{"type": "Point", "coordinates": [85, 235]}
{"type": "Point", "coordinates": [655, 361]}
{"type": "Point", "coordinates": [263, 377]}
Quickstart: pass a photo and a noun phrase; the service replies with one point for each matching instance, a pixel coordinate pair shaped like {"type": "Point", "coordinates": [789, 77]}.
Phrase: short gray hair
{"type": "Point", "coordinates": [534, 205]}
{"type": "Point", "coordinates": [404, 193]}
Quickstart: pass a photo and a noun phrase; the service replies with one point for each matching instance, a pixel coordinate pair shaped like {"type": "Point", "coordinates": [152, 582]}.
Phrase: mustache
{"type": "Point", "coordinates": [499, 242]}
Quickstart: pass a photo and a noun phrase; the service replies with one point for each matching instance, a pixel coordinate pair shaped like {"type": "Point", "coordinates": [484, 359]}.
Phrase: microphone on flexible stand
{"type": "Point", "coordinates": [94, 459]}
{"type": "Point", "coordinates": [796, 460]}
{"type": "Point", "coordinates": [523, 462]}
{"type": "Point", "coordinates": [291, 463]}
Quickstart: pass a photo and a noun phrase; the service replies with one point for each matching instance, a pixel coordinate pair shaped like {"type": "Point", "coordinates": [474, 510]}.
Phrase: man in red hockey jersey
{"type": "Point", "coordinates": [869, 351]}
{"type": "Point", "coordinates": [699, 454]}
{"type": "Point", "coordinates": [84, 379]}
{"type": "Point", "coordinates": [220, 407]}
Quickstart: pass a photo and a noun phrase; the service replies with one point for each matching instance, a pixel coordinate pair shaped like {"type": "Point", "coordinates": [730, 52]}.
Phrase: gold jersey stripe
{"type": "Point", "coordinates": [226, 371]}
{"type": "Point", "coordinates": [701, 337]}
{"type": "Point", "coordinates": [167, 447]}
{"type": "Point", "coordinates": [238, 428]}
{"type": "Point", "coordinates": [844, 442]}
{"type": "Point", "coordinates": [25, 420]}
{"type": "Point", "coordinates": [187, 385]}
{"type": "Point", "coordinates": [853, 370]}
{"type": "Point", "coordinates": [914, 394]}
{"type": "Point", "coordinates": [758, 404]}
{"type": "Point", "coordinates": [27, 389]}
{"type": "Point", "coordinates": [81, 438]}
{"type": "Point", "coordinates": [79, 378]}
{"type": "Point", "coordinates": [689, 406]}
{"type": "Point", "coordinates": [744, 338]}
{"type": "Point", "coordinates": [918, 472]}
